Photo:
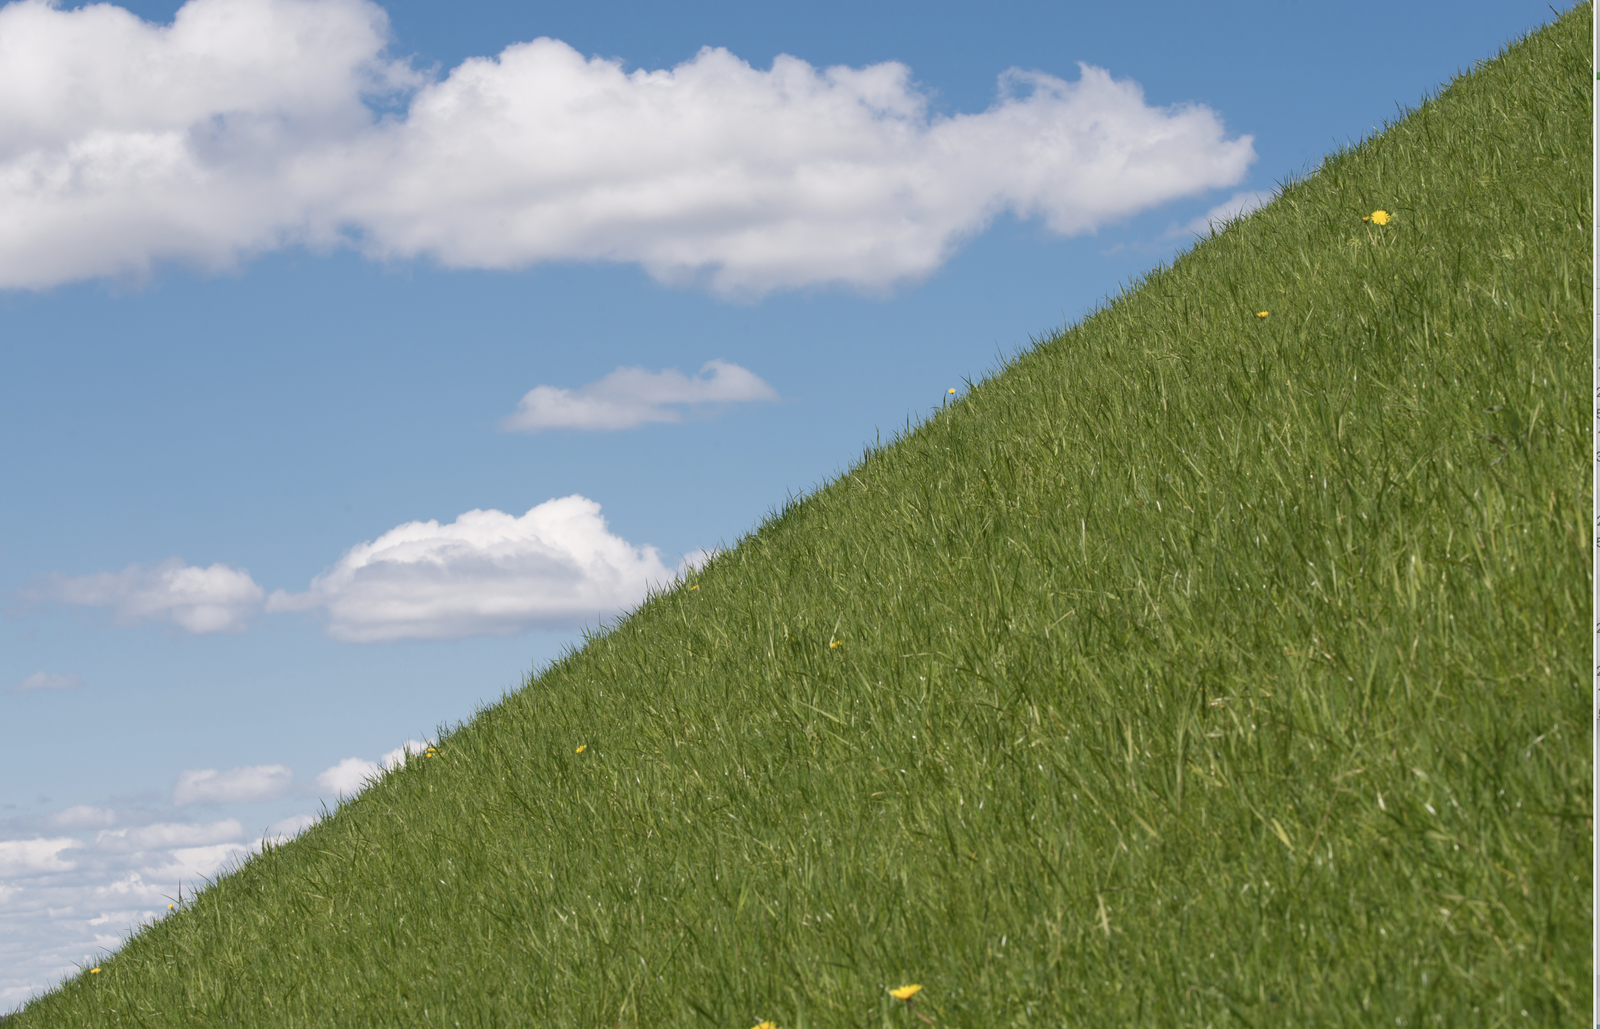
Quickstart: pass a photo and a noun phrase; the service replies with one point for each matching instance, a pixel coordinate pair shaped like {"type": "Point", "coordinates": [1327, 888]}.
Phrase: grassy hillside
{"type": "Point", "coordinates": [1200, 668]}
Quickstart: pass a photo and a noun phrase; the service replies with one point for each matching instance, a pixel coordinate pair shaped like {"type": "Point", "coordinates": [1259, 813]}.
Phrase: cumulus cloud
{"type": "Point", "coordinates": [235, 786]}
{"type": "Point", "coordinates": [487, 572]}
{"type": "Point", "coordinates": [633, 396]}
{"type": "Point", "coordinates": [47, 681]}
{"type": "Point", "coordinates": [202, 600]}
{"type": "Point", "coordinates": [1236, 206]}
{"type": "Point", "coordinates": [250, 124]}
{"type": "Point", "coordinates": [401, 754]}
{"type": "Point", "coordinates": [123, 143]}
{"type": "Point", "coordinates": [349, 777]}
{"type": "Point", "coordinates": [354, 774]}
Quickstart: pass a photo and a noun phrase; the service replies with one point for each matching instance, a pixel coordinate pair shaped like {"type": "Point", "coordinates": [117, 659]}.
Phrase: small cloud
{"type": "Point", "coordinates": [409, 749]}
{"type": "Point", "coordinates": [46, 681]}
{"type": "Point", "coordinates": [201, 600]}
{"type": "Point", "coordinates": [192, 863]}
{"type": "Point", "coordinates": [487, 572]}
{"type": "Point", "coordinates": [695, 560]}
{"type": "Point", "coordinates": [1214, 220]}
{"type": "Point", "coordinates": [287, 829]}
{"type": "Point", "coordinates": [633, 396]}
{"type": "Point", "coordinates": [236, 786]}
{"type": "Point", "coordinates": [348, 777]}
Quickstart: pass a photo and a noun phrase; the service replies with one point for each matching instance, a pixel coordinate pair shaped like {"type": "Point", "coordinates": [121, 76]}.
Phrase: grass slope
{"type": "Point", "coordinates": [1197, 669]}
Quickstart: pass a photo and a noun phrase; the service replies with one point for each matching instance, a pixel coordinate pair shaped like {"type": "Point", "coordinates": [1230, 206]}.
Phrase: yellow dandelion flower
{"type": "Point", "coordinates": [1261, 314]}
{"type": "Point", "coordinates": [835, 645]}
{"type": "Point", "coordinates": [905, 992]}
{"type": "Point", "coordinates": [581, 748]}
{"type": "Point", "coordinates": [1379, 217]}
{"type": "Point", "coordinates": [695, 586]}
{"type": "Point", "coordinates": [952, 391]}
{"type": "Point", "coordinates": [432, 752]}
{"type": "Point", "coordinates": [94, 971]}
{"type": "Point", "coordinates": [767, 1025]}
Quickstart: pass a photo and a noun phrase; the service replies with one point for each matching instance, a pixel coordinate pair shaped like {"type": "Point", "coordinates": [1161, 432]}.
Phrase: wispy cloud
{"type": "Point", "coordinates": [47, 681]}
{"type": "Point", "coordinates": [487, 572]}
{"type": "Point", "coordinates": [238, 785]}
{"type": "Point", "coordinates": [1214, 220]}
{"type": "Point", "coordinates": [633, 396]}
{"type": "Point", "coordinates": [201, 600]}
{"type": "Point", "coordinates": [245, 125]}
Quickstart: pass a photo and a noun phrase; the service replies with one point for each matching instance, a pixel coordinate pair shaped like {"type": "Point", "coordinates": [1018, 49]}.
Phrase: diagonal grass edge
{"type": "Point", "coordinates": [1198, 668]}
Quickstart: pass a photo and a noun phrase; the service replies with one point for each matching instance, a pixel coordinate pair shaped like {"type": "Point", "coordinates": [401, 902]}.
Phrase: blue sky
{"type": "Point", "coordinates": [220, 380]}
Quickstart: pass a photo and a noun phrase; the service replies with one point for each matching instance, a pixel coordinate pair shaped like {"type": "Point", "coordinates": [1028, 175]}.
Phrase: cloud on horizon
{"type": "Point", "coordinates": [629, 397]}
{"type": "Point", "coordinates": [352, 775]}
{"type": "Point", "coordinates": [247, 125]}
{"type": "Point", "coordinates": [486, 573]}
{"type": "Point", "coordinates": [1236, 206]}
{"type": "Point", "coordinates": [201, 600]}
{"type": "Point", "coordinates": [65, 900]}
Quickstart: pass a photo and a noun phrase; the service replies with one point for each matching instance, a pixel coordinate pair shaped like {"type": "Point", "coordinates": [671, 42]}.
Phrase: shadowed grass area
{"type": "Point", "coordinates": [1198, 668]}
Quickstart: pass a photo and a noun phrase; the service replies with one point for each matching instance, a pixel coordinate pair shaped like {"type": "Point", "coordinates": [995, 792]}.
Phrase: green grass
{"type": "Point", "coordinates": [1196, 669]}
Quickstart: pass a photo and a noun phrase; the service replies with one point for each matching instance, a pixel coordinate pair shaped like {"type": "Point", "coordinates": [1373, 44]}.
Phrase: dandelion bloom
{"type": "Point", "coordinates": [1261, 314]}
{"type": "Point", "coordinates": [431, 752]}
{"type": "Point", "coordinates": [905, 992]}
{"type": "Point", "coordinates": [952, 391]}
{"type": "Point", "coordinates": [835, 645]}
{"type": "Point", "coordinates": [695, 587]}
{"type": "Point", "coordinates": [581, 748]}
{"type": "Point", "coordinates": [94, 971]}
{"type": "Point", "coordinates": [1380, 217]}
{"type": "Point", "coordinates": [767, 1025]}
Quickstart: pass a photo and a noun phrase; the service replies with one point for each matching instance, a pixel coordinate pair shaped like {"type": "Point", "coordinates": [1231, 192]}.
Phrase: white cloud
{"type": "Point", "coordinates": [348, 777]}
{"type": "Point", "coordinates": [354, 774]}
{"type": "Point", "coordinates": [20, 858]}
{"type": "Point", "coordinates": [1215, 219]}
{"type": "Point", "coordinates": [47, 681]}
{"type": "Point", "coordinates": [287, 829]}
{"type": "Point", "coordinates": [486, 572]}
{"type": "Point", "coordinates": [65, 901]}
{"type": "Point", "coordinates": [634, 396]}
{"type": "Point", "coordinates": [245, 125]}
{"type": "Point", "coordinates": [168, 835]}
{"type": "Point", "coordinates": [126, 142]}
{"type": "Point", "coordinates": [202, 600]}
{"type": "Point", "coordinates": [399, 755]}
{"type": "Point", "coordinates": [696, 559]}
{"type": "Point", "coordinates": [235, 786]}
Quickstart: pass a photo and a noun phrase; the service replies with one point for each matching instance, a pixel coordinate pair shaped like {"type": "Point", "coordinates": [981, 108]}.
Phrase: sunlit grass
{"type": "Point", "coordinates": [1202, 667]}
